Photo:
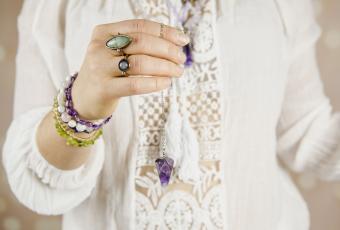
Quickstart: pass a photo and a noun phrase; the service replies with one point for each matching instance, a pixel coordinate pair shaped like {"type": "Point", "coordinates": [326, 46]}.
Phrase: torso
{"type": "Point", "coordinates": [235, 97]}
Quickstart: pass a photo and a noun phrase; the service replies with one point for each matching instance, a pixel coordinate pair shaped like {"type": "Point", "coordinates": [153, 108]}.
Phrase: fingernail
{"type": "Point", "coordinates": [182, 56]}
{"type": "Point", "coordinates": [183, 38]}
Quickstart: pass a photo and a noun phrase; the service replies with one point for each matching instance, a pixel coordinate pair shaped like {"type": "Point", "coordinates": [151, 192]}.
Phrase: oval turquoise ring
{"type": "Point", "coordinates": [119, 42]}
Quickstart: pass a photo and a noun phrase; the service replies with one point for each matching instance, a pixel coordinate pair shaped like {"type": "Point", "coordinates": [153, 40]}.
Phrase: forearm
{"type": "Point", "coordinates": [54, 148]}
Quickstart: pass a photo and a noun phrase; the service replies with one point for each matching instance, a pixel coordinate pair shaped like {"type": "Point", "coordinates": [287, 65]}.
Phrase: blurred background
{"type": "Point", "coordinates": [323, 198]}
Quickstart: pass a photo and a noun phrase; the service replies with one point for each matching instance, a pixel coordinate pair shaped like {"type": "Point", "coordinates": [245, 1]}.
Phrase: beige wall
{"type": "Point", "coordinates": [323, 199]}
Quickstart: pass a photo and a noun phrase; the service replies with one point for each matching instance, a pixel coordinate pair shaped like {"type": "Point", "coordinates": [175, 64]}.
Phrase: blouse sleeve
{"type": "Point", "coordinates": [40, 59]}
{"type": "Point", "coordinates": [308, 130]}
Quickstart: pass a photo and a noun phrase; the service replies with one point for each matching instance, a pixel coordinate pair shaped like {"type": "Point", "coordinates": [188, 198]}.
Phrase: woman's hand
{"type": "Point", "coordinates": [153, 60]}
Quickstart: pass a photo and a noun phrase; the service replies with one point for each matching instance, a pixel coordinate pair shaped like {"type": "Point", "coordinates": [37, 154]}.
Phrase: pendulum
{"type": "Point", "coordinates": [188, 53]}
{"type": "Point", "coordinates": [164, 164]}
{"type": "Point", "coordinates": [164, 167]}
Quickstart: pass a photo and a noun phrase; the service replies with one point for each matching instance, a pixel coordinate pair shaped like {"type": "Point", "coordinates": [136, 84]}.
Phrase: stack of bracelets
{"type": "Point", "coordinates": [68, 122]}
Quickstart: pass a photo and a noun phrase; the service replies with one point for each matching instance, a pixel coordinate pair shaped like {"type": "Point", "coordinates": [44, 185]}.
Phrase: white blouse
{"type": "Point", "coordinates": [253, 97]}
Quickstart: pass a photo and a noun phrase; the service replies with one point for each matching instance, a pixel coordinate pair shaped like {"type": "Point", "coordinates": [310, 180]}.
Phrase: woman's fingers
{"type": "Point", "coordinates": [153, 46]}
{"type": "Point", "coordinates": [106, 31]}
{"type": "Point", "coordinates": [145, 65]}
{"type": "Point", "coordinates": [153, 57]}
{"type": "Point", "coordinates": [101, 60]}
{"type": "Point", "coordinates": [127, 86]}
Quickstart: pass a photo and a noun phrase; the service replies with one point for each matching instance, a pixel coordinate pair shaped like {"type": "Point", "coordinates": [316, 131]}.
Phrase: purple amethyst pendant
{"type": "Point", "coordinates": [164, 167]}
{"type": "Point", "coordinates": [188, 53]}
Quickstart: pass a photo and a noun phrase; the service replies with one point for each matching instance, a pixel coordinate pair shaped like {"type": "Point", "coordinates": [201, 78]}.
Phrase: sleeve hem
{"type": "Point", "coordinates": [58, 178]}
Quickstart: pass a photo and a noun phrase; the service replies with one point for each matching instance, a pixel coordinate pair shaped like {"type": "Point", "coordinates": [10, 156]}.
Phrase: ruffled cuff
{"type": "Point", "coordinates": [37, 184]}
{"type": "Point", "coordinates": [27, 126]}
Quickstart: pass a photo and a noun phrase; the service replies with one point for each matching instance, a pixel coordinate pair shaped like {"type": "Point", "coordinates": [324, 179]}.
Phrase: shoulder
{"type": "Point", "coordinates": [32, 9]}
{"type": "Point", "coordinates": [300, 23]}
{"type": "Point", "coordinates": [297, 15]}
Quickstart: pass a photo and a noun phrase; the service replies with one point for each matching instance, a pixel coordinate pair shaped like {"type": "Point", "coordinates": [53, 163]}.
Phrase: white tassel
{"type": "Point", "coordinates": [181, 141]}
{"type": "Point", "coordinates": [189, 170]}
{"type": "Point", "coordinates": [172, 129]}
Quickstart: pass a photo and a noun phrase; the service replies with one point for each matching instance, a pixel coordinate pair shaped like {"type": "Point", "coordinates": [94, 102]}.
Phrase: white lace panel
{"type": "Point", "coordinates": [181, 205]}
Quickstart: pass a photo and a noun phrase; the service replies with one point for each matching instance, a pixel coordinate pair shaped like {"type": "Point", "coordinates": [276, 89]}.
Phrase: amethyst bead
{"type": "Point", "coordinates": [72, 112]}
{"type": "Point", "coordinates": [77, 124]}
{"type": "Point", "coordinates": [164, 167]}
{"type": "Point", "coordinates": [188, 53]}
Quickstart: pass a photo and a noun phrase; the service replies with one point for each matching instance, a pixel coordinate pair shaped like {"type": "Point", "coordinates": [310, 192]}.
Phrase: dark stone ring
{"type": "Point", "coordinates": [124, 65]}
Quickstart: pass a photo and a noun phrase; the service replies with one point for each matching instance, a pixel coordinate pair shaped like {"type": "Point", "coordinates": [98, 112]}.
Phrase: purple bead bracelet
{"type": "Point", "coordinates": [70, 116]}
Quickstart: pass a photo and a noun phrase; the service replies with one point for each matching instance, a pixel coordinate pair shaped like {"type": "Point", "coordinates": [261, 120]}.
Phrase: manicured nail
{"type": "Point", "coordinates": [183, 38]}
{"type": "Point", "coordinates": [182, 56]}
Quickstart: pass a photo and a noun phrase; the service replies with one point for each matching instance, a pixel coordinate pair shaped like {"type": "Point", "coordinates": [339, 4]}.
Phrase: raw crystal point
{"type": "Point", "coordinates": [164, 167]}
{"type": "Point", "coordinates": [118, 42]}
{"type": "Point", "coordinates": [188, 53]}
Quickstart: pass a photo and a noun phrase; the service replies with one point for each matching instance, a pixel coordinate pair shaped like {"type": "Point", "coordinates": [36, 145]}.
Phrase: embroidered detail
{"type": "Point", "coordinates": [180, 210]}
{"type": "Point", "coordinates": [182, 205]}
{"type": "Point", "coordinates": [204, 114]}
{"type": "Point", "coordinates": [150, 9]}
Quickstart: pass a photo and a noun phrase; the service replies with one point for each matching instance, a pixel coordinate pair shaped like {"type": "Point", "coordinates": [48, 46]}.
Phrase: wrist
{"type": "Point", "coordinates": [68, 123]}
{"type": "Point", "coordinates": [90, 104]}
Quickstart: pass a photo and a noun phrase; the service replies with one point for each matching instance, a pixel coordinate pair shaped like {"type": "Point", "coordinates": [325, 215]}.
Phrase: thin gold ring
{"type": "Point", "coordinates": [161, 32]}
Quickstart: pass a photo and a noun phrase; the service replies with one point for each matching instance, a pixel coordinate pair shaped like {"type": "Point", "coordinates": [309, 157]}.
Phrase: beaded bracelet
{"type": "Point", "coordinates": [69, 115]}
{"type": "Point", "coordinates": [71, 139]}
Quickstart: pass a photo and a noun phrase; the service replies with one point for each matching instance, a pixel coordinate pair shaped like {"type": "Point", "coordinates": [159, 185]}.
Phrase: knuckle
{"type": "Point", "coordinates": [138, 24]}
{"type": "Point", "coordinates": [141, 42]}
{"type": "Point", "coordinates": [134, 86]}
{"type": "Point", "coordinates": [136, 63]}
{"type": "Point", "coordinates": [170, 49]}
{"type": "Point", "coordinates": [168, 68]}
{"type": "Point", "coordinates": [138, 38]}
{"type": "Point", "coordinates": [156, 84]}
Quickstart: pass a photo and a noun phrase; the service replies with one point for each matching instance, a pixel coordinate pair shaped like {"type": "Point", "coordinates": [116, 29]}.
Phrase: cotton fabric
{"type": "Point", "coordinates": [275, 113]}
